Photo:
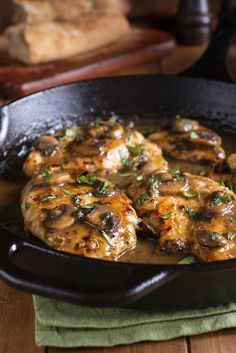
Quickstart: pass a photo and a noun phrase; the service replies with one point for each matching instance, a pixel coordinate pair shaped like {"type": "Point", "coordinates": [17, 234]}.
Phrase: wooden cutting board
{"type": "Point", "coordinates": [139, 46]}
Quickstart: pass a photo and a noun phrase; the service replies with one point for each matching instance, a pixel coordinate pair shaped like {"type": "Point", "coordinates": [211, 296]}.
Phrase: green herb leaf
{"type": "Point", "coordinates": [126, 162]}
{"type": "Point", "coordinates": [68, 192]}
{"type": "Point", "coordinates": [202, 173]}
{"type": "Point", "coordinates": [46, 174]}
{"type": "Point", "coordinates": [224, 198]}
{"type": "Point", "coordinates": [231, 219]}
{"type": "Point", "coordinates": [126, 174]}
{"type": "Point", "coordinates": [189, 195]}
{"type": "Point", "coordinates": [113, 119]}
{"type": "Point", "coordinates": [194, 135]}
{"type": "Point", "coordinates": [191, 212]}
{"type": "Point", "coordinates": [139, 177]}
{"type": "Point", "coordinates": [187, 260]}
{"type": "Point", "coordinates": [97, 124]}
{"type": "Point", "coordinates": [65, 161]}
{"type": "Point", "coordinates": [48, 198]}
{"type": "Point", "coordinates": [185, 121]}
{"type": "Point", "coordinates": [87, 180]}
{"type": "Point", "coordinates": [88, 206]}
{"type": "Point", "coordinates": [142, 199]}
{"type": "Point", "coordinates": [104, 188]}
{"type": "Point", "coordinates": [215, 235]}
{"type": "Point", "coordinates": [71, 133]}
{"type": "Point", "coordinates": [167, 215]}
{"type": "Point", "coordinates": [136, 151]}
{"type": "Point", "coordinates": [26, 206]}
{"type": "Point", "coordinates": [229, 235]}
{"type": "Point", "coordinates": [176, 169]}
{"type": "Point", "coordinates": [108, 239]}
{"type": "Point", "coordinates": [151, 130]}
{"type": "Point", "coordinates": [222, 183]}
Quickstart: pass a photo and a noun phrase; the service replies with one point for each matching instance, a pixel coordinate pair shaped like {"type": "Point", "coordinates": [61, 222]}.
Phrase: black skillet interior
{"type": "Point", "coordinates": [31, 266]}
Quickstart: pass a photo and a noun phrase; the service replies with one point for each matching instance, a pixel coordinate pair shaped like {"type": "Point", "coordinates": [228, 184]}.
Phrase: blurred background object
{"type": "Point", "coordinates": [49, 42]}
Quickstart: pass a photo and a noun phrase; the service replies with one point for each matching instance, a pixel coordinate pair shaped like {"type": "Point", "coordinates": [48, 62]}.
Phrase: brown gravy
{"type": "Point", "coordinates": [144, 252]}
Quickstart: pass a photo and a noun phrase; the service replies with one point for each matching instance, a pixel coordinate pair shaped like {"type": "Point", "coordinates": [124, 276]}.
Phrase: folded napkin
{"type": "Point", "coordinates": [66, 325]}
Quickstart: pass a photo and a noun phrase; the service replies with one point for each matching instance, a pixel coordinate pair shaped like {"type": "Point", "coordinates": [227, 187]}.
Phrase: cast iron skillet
{"type": "Point", "coordinates": [33, 267]}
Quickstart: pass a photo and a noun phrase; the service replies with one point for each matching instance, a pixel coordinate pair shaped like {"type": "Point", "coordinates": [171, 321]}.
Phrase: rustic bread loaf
{"type": "Point", "coordinates": [48, 41]}
{"type": "Point", "coordinates": [33, 11]}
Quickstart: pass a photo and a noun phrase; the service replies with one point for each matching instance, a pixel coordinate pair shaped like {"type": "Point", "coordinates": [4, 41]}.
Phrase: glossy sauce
{"type": "Point", "coordinates": [144, 252]}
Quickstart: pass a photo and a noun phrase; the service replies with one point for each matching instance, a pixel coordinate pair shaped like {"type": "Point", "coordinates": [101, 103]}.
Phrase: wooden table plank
{"type": "Point", "coordinates": [223, 341]}
{"type": "Point", "coordinates": [173, 346]}
{"type": "Point", "coordinates": [16, 322]}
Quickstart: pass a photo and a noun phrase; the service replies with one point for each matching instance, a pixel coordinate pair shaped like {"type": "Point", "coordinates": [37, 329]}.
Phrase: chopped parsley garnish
{"type": "Point", "coordinates": [87, 179]}
{"type": "Point", "coordinates": [126, 162]}
{"type": "Point", "coordinates": [142, 199]}
{"type": "Point", "coordinates": [48, 198]}
{"type": "Point", "coordinates": [231, 219]}
{"type": "Point", "coordinates": [113, 119]}
{"type": "Point", "coordinates": [26, 206]}
{"type": "Point", "coordinates": [88, 206]}
{"type": "Point", "coordinates": [194, 135]}
{"type": "Point", "coordinates": [185, 121]}
{"type": "Point", "coordinates": [167, 215]}
{"type": "Point", "coordinates": [218, 200]}
{"type": "Point", "coordinates": [151, 130]}
{"type": "Point", "coordinates": [97, 124]}
{"type": "Point", "coordinates": [215, 235]}
{"type": "Point", "coordinates": [46, 174]}
{"type": "Point", "coordinates": [229, 235]}
{"type": "Point", "coordinates": [139, 177]}
{"type": "Point", "coordinates": [191, 212]}
{"type": "Point", "coordinates": [222, 183]}
{"type": "Point", "coordinates": [176, 169]}
{"type": "Point", "coordinates": [68, 192]}
{"type": "Point", "coordinates": [108, 239]}
{"type": "Point", "coordinates": [104, 187]}
{"type": "Point", "coordinates": [189, 195]}
{"type": "Point", "coordinates": [188, 260]}
{"type": "Point", "coordinates": [131, 137]}
{"type": "Point", "coordinates": [136, 151]}
{"type": "Point", "coordinates": [65, 161]}
{"type": "Point", "coordinates": [202, 173]}
{"type": "Point", "coordinates": [71, 133]}
{"type": "Point", "coordinates": [126, 174]}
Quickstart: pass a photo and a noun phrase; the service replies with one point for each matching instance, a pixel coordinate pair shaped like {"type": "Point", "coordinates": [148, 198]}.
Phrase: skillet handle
{"type": "Point", "coordinates": [98, 283]}
{"type": "Point", "coordinates": [213, 63]}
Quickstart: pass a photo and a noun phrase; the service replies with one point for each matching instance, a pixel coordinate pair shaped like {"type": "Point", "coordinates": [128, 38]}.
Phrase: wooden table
{"type": "Point", "coordinates": [16, 308]}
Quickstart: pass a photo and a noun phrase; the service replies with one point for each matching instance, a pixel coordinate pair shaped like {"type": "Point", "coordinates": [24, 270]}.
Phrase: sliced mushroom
{"type": "Point", "coordinates": [170, 184]}
{"type": "Point", "coordinates": [203, 137]}
{"type": "Point", "coordinates": [210, 239]}
{"type": "Point", "coordinates": [46, 144]}
{"type": "Point", "coordinates": [88, 148]}
{"type": "Point", "coordinates": [184, 125]}
{"type": "Point", "coordinates": [104, 218]}
{"type": "Point", "coordinates": [218, 202]}
{"type": "Point", "coordinates": [102, 129]}
{"type": "Point", "coordinates": [58, 217]}
{"type": "Point", "coordinates": [231, 162]}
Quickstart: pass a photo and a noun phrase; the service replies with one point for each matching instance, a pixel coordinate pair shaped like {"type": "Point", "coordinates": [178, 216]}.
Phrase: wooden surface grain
{"type": "Point", "coordinates": [16, 309]}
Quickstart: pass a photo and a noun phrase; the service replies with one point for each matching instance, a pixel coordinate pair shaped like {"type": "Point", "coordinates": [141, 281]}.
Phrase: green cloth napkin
{"type": "Point", "coordinates": [66, 325]}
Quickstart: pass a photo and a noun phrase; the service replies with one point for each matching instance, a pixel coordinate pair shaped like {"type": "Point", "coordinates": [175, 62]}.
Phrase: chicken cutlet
{"type": "Point", "coordinates": [80, 214]}
{"type": "Point", "coordinates": [188, 213]}
{"type": "Point", "coordinates": [101, 146]}
{"type": "Point", "coordinates": [187, 140]}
